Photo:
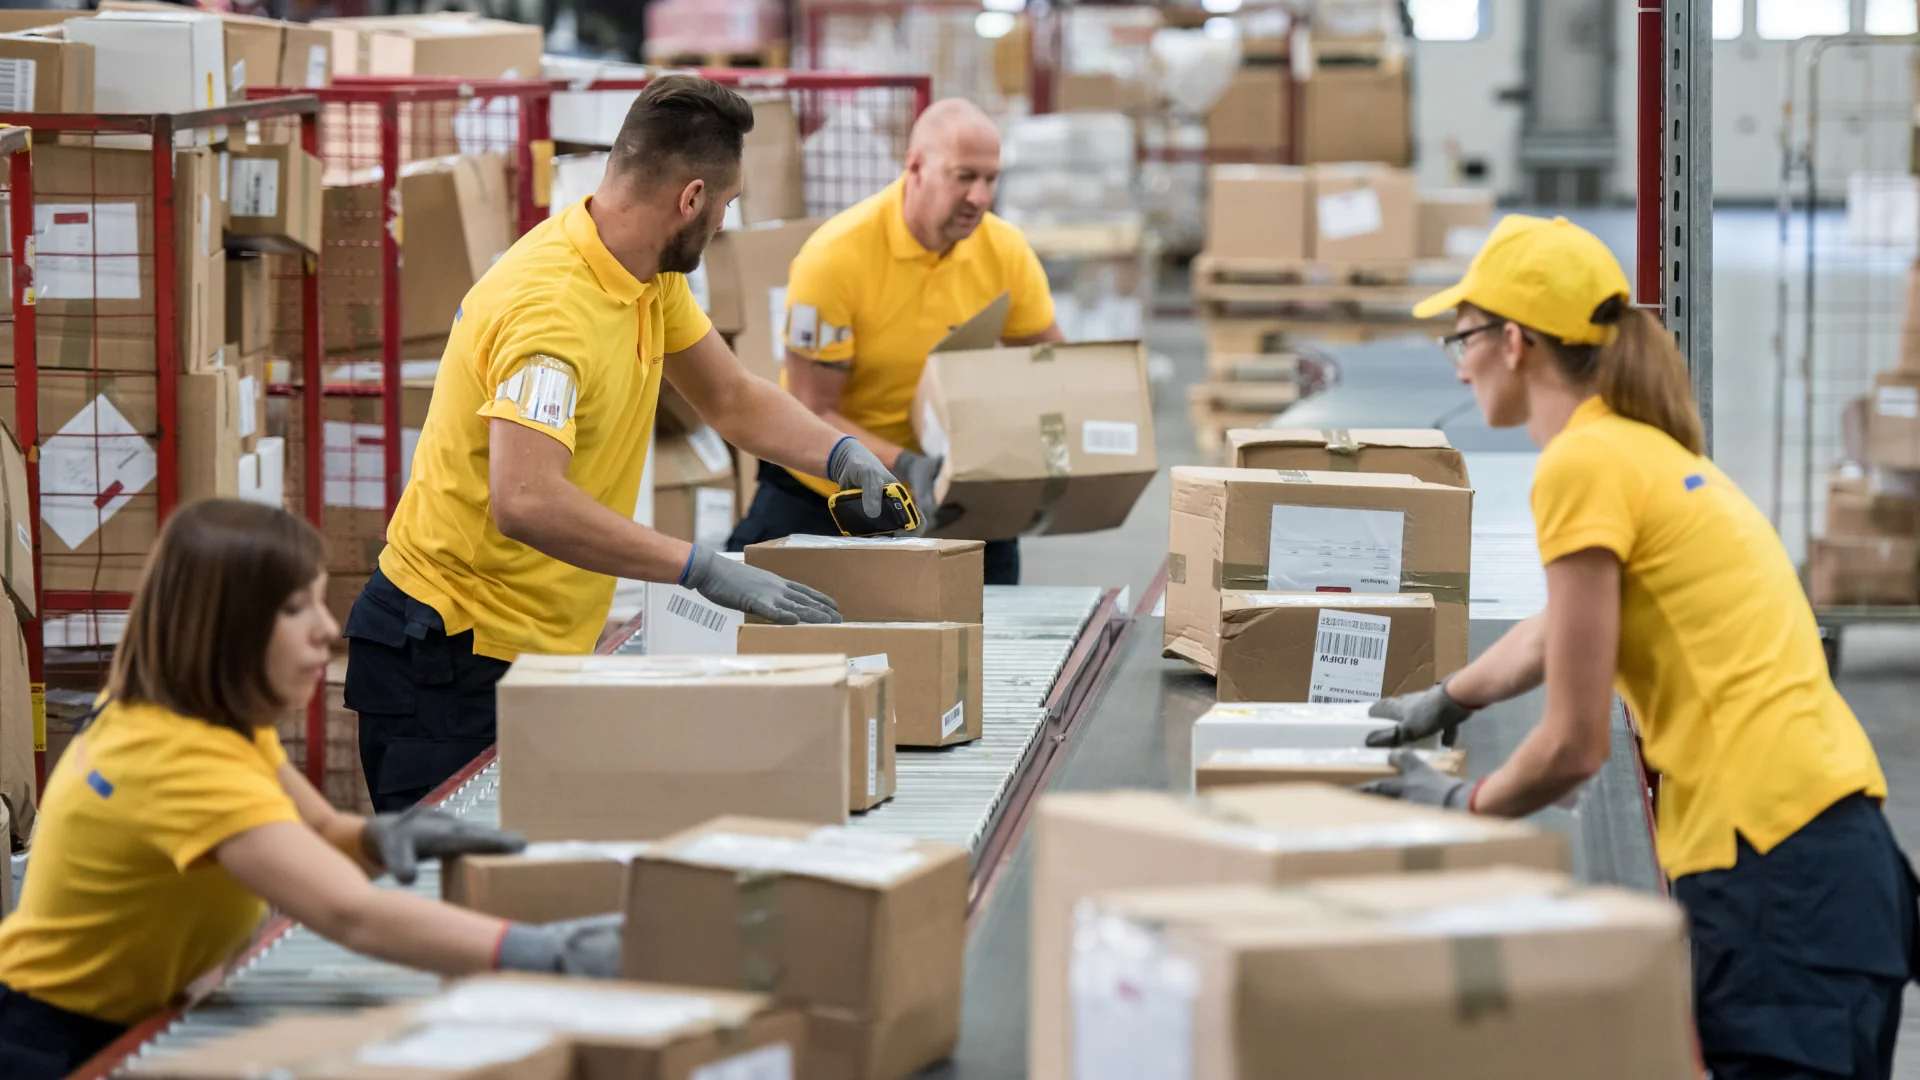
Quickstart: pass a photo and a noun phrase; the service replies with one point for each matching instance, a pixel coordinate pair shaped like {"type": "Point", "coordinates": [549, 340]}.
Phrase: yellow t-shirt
{"type": "Point", "coordinates": [863, 291]}
{"type": "Point", "coordinates": [556, 300]}
{"type": "Point", "coordinates": [1720, 656]}
{"type": "Point", "coordinates": [123, 906]}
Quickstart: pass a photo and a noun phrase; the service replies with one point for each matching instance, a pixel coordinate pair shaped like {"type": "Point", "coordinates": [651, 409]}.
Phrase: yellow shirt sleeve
{"type": "Point", "coordinates": [212, 787]}
{"type": "Point", "coordinates": [532, 374]}
{"type": "Point", "coordinates": [685, 322]}
{"type": "Point", "coordinates": [1585, 496]}
{"type": "Point", "coordinates": [1030, 300]}
{"type": "Point", "coordinates": [819, 308]}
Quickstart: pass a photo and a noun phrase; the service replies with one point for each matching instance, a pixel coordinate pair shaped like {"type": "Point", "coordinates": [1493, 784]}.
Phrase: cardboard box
{"type": "Point", "coordinates": [1854, 509]}
{"type": "Point", "coordinates": [1258, 212]}
{"type": "Point", "coordinates": [18, 790]}
{"type": "Point", "coordinates": [1357, 113]}
{"type": "Point", "coordinates": [1346, 767]}
{"type": "Point", "coordinates": [869, 937]}
{"type": "Point", "coordinates": [936, 669]}
{"type": "Point", "coordinates": [772, 187]}
{"type": "Point", "coordinates": [1293, 725]}
{"type": "Point", "coordinates": [45, 74]}
{"type": "Point", "coordinates": [1893, 428]}
{"type": "Point", "coordinates": [209, 435]}
{"type": "Point", "coordinates": [676, 621]}
{"type": "Point", "coordinates": [747, 290]}
{"type": "Point", "coordinates": [1223, 538]}
{"type": "Point", "coordinates": [636, 747]}
{"type": "Point", "coordinates": [884, 579]}
{"type": "Point", "coordinates": [16, 526]}
{"type": "Point", "coordinates": [98, 523]}
{"type": "Point", "coordinates": [200, 196]}
{"type": "Point", "coordinates": [1845, 571]}
{"type": "Point", "coordinates": [1324, 647]}
{"type": "Point", "coordinates": [276, 200]}
{"type": "Point", "coordinates": [1038, 441]}
{"type": "Point", "coordinates": [693, 488]}
{"type": "Point", "coordinates": [1251, 115]}
{"type": "Point", "coordinates": [157, 62]}
{"type": "Point", "coordinates": [1086, 844]}
{"type": "Point", "coordinates": [548, 882]}
{"type": "Point", "coordinates": [306, 56]}
{"type": "Point", "coordinates": [871, 778]}
{"type": "Point", "coordinates": [249, 304]}
{"type": "Point", "coordinates": [452, 43]}
{"type": "Point", "coordinates": [1499, 972]}
{"type": "Point", "coordinates": [1363, 213]}
{"type": "Point", "coordinates": [1454, 223]}
{"type": "Point", "coordinates": [1423, 453]}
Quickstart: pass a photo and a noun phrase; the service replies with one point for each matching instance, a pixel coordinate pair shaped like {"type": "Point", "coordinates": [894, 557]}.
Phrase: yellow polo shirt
{"type": "Point", "coordinates": [556, 300]}
{"type": "Point", "coordinates": [864, 291]}
{"type": "Point", "coordinates": [1720, 656]}
{"type": "Point", "coordinates": [124, 907]}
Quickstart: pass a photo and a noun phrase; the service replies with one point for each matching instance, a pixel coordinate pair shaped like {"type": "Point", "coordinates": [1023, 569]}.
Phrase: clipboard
{"type": "Point", "coordinates": [980, 332]}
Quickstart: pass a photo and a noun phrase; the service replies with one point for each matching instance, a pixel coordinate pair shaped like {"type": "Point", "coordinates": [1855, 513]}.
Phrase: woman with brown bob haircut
{"type": "Point", "coordinates": [173, 820]}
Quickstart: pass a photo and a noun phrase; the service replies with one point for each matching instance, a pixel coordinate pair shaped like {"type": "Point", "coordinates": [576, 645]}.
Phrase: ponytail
{"type": "Point", "coordinates": [1641, 374]}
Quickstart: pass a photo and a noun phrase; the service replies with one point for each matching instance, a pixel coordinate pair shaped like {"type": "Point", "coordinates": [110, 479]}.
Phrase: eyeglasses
{"type": "Point", "coordinates": [1456, 344]}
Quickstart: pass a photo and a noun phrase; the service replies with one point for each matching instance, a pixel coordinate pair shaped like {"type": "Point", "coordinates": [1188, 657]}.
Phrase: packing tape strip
{"type": "Point", "coordinates": [1421, 858]}
{"type": "Point", "coordinates": [966, 670]}
{"type": "Point", "coordinates": [1343, 453]}
{"type": "Point", "coordinates": [1058, 459]}
{"type": "Point", "coordinates": [759, 929]}
{"type": "Point", "coordinates": [1447, 586]}
{"type": "Point", "coordinates": [1479, 978]}
{"type": "Point", "coordinates": [1177, 569]}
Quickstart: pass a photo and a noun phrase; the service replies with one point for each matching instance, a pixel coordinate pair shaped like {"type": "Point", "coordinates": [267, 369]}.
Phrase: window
{"type": "Point", "coordinates": [1729, 19]}
{"type": "Point", "coordinates": [1784, 20]}
{"type": "Point", "coordinates": [1445, 20]}
{"type": "Point", "coordinates": [1891, 17]}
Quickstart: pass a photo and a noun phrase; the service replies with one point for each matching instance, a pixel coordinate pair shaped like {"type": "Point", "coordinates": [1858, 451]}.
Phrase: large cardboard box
{"type": "Point", "coordinates": [547, 882]}
{"type": "Point", "coordinates": [16, 526]}
{"type": "Point", "coordinates": [200, 196]}
{"type": "Point", "coordinates": [306, 56]}
{"type": "Point", "coordinates": [1264, 529]}
{"type": "Point", "coordinates": [209, 435]}
{"type": "Point", "coordinates": [1086, 844]}
{"type": "Point", "coordinates": [18, 790]}
{"type": "Point", "coordinates": [1324, 647]}
{"type": "Point", "coordinates": [1856, 509]}
{"type": "Point", "coordinates": [772, 187]}
{"type": "Point", "coordinates": [157, 62]}
{"type": "Point", "coordinates": [1494, 973]}
{"type": "Point", "coordinates": [870, 738]}
{"type": "Point", "coordinates": [1363, 213]}
{"type": "Point", "coordinates": [636, 747]}
{"type": "Point", "coordinates": [1357, 113]}
{"type": "Point", "coordinates": [868, 937]}
{"type": "Point", "coordinates": [1258, 212]}
{"type": "Point", "coordinates": [1454, 222]}
{"type": "Point", "coordinates": [1845, 571]}
{"type": "Point", "coordinates": [1250, 118]}
{"type": "Point", "coordinates": [1038, 441]}
{"type": "Point", "coordinates": [259, 51]}
{"type": "Point", "coordinates": [452, 43]}
{"type": "Point", "coordinates": [98, 467]}
{"type": "Point", "coordinates": [884, 579]}
{"type": "Point", "coordinates": [747, 289]}
{"type": "Point", "coordinates": [1423, 453]}
{"type": "Point", "coordinates": [45, 74]}
{"type": "Point", "coordinates": [276, 199]}
{"type": "Point", "coordinates": [249, 304]}
{"type": "Point", "coordinates": [1346, 767]}
{"type": "Point", "coordinates": [1893, 427]}
{"type": "Point", "coordinates": [1293, 725]}
{"type": "Point", "coordinates": [936, 669]}
{"type": "Point", "coordinates": [693, 487]}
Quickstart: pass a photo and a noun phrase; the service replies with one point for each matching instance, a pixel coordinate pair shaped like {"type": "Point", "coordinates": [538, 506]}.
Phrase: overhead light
{"type": "Point", "coordinates": [993, 24]}
{"type": "Point", "coordinates": [1218, 27]}
{"type": "Point", "coordinates": [1015, 6]}
{"type": "Point", "coordinates": [1220, 7]}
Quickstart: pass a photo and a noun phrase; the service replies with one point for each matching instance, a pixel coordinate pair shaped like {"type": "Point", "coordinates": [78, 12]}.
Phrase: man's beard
{"type": "Point", "coordinates": [683, 251]}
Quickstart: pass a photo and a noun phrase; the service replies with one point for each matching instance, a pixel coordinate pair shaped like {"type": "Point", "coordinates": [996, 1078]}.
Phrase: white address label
{"type": "Point", "coordinates": [1902, 402]}
{"type": "Point", "coordinates": [1333, 549]}
{"type": "Point", "coordinates": [1349, 657]}
{"type": "Point", "coordinates": [1115, 437]}
{"type": "Point", "coordinates": [1347, 214]}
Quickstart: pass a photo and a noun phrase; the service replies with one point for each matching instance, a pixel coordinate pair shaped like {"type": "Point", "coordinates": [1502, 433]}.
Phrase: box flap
{"type": "Point", "coordinates": [980, 332]}
{"type": "Point", "coordinates": [1412, 438]}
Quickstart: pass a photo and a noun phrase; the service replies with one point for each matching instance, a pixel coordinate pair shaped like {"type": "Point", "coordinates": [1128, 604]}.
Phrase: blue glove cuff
{"type": "Point", "coordinates": [685, 570]}
{"type": "Point", "coordinates": [833, 468]}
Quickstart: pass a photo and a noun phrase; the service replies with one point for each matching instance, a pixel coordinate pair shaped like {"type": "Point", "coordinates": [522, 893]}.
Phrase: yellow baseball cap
{"type": "Point", "coordinates": [1549, 275]}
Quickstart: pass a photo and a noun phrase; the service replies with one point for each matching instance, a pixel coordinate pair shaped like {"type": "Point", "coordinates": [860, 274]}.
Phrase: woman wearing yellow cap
{"type": "Point", "coordinates": [1666, 583]}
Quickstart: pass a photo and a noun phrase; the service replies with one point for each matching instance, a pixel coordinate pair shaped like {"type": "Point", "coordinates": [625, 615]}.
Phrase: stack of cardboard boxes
{"type": "Point", "coordinates": [19, 735]}
{"type": "Point", "coordinates": [1354, 99]}
{"type": "Point", "coordinates": [1869, 550]}
{"type": "Point", "coordinates": [717, 33]}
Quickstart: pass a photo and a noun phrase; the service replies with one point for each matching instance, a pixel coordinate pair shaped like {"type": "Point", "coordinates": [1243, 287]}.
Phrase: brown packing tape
{"type": "Point", "coordinates": [1343, 452]}
{"type": "Point", "coordinates": [960, 693]}
{"type": "Point", "coordinates": [1041, 354]}
{"type": "Point", "coordinates": [1177, 569]}
{"type": "Point", "coordinates": [1447, 587]}
{"type": "Point", "coordinates": [1422, 858]}
{"type": "Point", "coordinates": [1059, 462]}
{"type": "Point", "coordinates": [1479, 978]}
{"type": "Point", "coordinates": [759, 923]}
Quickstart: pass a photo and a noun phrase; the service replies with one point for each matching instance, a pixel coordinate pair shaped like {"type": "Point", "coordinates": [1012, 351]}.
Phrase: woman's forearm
{"type": "Point", "coordinates": [1514, 665]}
{"type": "Point", "coordinates": [402, 928]}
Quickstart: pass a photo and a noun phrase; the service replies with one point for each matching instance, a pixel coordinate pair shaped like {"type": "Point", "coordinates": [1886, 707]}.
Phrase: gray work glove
{"type": "Point", "coordinates": [400, 841]}
{"type": "Point", "coordinates": [755, 591]}
{"type": "Point", "coordinates": [1417, 716]}
{"type": "Point", "coordinates": [918, 472]}
{"type": "Point", "coordinates": [588, 947]}
{"type": "Point", "coordinates": [851, 465]}
{"type": "Point", "coordinates": [1420, 782]}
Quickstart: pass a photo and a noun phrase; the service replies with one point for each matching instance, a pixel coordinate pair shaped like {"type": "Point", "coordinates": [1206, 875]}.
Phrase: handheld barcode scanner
{"type": "Point", "coordinates": [897, 512]}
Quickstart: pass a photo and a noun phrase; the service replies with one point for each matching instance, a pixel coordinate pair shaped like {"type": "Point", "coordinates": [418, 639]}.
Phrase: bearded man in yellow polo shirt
{"type": "Point", "coordinates": [874, 290]}
{"type": "Point", "coordinates": [518, 515]}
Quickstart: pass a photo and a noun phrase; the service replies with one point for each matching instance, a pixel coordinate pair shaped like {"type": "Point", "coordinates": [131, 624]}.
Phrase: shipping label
{"type": "Point", "coordinates": [91, 469]}
{"type": "Point", "coordinates": [771, 1062]}
{"type": "Point", "coordinates": [1132, 1001]}
{"type": "Point", "coordinates": [1347, 214]}
{"type": "Point", "coordinates": [1331, 549]}
{"type": "Point", "coordinates": [87, 251]}
{"type": "Point", "coordinates": [256, 187]}
{"type": "Point", "coordinates": [1349, 657]}
{"type": "Point", "coordinates": [1115, 437]}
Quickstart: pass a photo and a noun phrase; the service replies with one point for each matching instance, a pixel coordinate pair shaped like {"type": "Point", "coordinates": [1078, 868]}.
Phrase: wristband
{"type": "Point", "coordinates": [691, 551]}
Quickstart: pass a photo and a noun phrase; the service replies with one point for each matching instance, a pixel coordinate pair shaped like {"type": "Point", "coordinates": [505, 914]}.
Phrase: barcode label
{"type": "Point", "coordinates": [1349, 657]}
{"type": "Point", "coordinates": [697, 613]}
{"type": "Point", "coordinates": [710, 448]}
{"type": "Point", "coordinates": [16, 85]}
{"type": "Point", "coordinates": [1110, 437]}
{"type": "Point", "coordinates": [955, 718]}
{"type": "Point", "coordinates": [256, 187]}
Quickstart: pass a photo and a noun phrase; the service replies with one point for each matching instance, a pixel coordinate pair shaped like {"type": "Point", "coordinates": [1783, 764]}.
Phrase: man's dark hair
{"type": "Point", "coordinates": [682, 126]}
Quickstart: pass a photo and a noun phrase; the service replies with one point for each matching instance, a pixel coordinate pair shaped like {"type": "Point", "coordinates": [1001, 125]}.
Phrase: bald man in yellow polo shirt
{"type": "Point", "coordinates": [875, 289]}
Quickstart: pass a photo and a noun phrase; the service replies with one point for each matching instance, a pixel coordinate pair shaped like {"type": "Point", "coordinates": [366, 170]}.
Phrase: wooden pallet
{"type": "Point", "coordinates": [1253, 367]}
{"type": "Point", "coordinates": [771, 55]}
{"type": "Point", "coordinates": [1340, 324]}
{"type": "Point", "coordinates": [1216, 270]}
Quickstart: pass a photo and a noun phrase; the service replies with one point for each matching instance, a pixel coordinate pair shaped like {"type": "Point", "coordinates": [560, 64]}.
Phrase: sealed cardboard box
{"type": "Point", "coordinates": [1258, 212]}
{"type": "Point", "coordinates": [450, 43]}
{"type": "Point", "coordinates": [1324, 647]}
{"type": "Point", "coordinates": [1495, 973]}
{"type": "Point", "coordinates": [1893, 427]}
{"type": "Point", "coordinates": [676, 621]}
{"type": "Point", "coordinates": [693, 487]}
{"type": "Point", "coordinates": [1303, 725]}
{"type": "Point", "coordinates": [1042, 440]}
{"type": "Point", "coordinates": [157, 62]}
{"type": "Point", "coordinates": [1363, 213]}
{"type": "Point", "coordinates": [1357, 113]}
{"type": "Point", "coordinates": [259, 51]}
{"type": "Point", "coordinates": [1856, 509]}
{"type": "Point", "coordinates": [547, 882]}
{"type": "Point", "coordinates": [1345, 767]}
{"type": "Point", "coordinates": [870, 738]}
{"type": "Point", "coordinates": [1251, 114]}
{"type": "Point", "coordinates": [636, 747]}
{"type": "Point", "coordinates": [249, 304]}
{"type": "Point", "coordinates": [1423, 453]}
{"type": "Point", "coordinates": [884, 579]}
{"type": "Point", "coordinates": [375, 1045]}
{"type": "Point", "coordinates": [1270, 530]}
{"type": "Point", "coordinates": [1454, 222]}
{"type": "Point", "coordinates": [1087, 844]}
{"type": "Point", "coordinates": [276, 200]}
{"type": "Point", "coordinates": [93, 269]}
{"type": "Point", "coordinates": [98, 467]}
{"type": "Point", "coordinates": [1852, 570]}
{"type": "Point", "coordinates": [200, 197]}
{"type": "Point", "coordinates": [747, 289]}
{"type": "Point", "coordinates": [16, 525]}
{"type": "Point", "coordinates": [869, 934]}
{"type": "Point", "coordinates": [305, 56]}
{"type": "Point", "coordinates": [17, 774]}
{"type": "Point", "coordinates": [772, 187]}
{"type": "Point", "coordinates": [39, 73]}
{"type": "Point", "coordinates": [209, 435]}
{"type": "Point", "coordinates": [936, 669]}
